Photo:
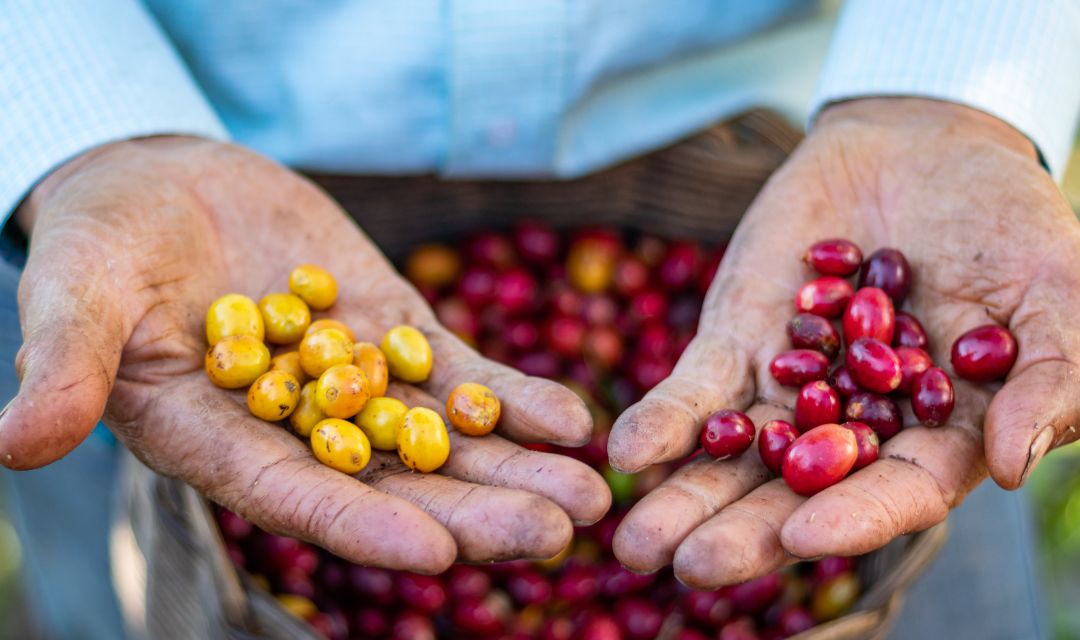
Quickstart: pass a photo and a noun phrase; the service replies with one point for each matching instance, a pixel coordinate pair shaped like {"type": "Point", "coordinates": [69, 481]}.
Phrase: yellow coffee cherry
{"type": "Point", "coordinates": [330, 323]}
{"type": "Point", "coordinates": [314, 285]}
{"type": "Point", "coordinates": [233, 315]}
{"type": "Point", "coordinates": [307, 413]}
{"type": "Point", "coordinates": [372, 361]}
{"type": "Point", "coordinates": [324, 349]}
{"type": "Point", "coordinates": [408, 353]}
{"type": "Point", "coordinates": [289, 362]}
{"type": "Point", "coordinates": [273, 396]}
{"type": "Point", "coordinates": [422, 441]}
{"type": "Point", "coordinates": [473, 409]}
{"type": "Point", "coordinates": [380, 420]}
{"type": "Point", "coordinates": [236, 361]}
{"type": "Point", "coordinates": [342, 391]}
{"type": "Point", "coordinates": [340, 445]}
{"type": "Point", "coordinates": [299, 606]}
{"type": "Point", "coordinates": [286, 317]}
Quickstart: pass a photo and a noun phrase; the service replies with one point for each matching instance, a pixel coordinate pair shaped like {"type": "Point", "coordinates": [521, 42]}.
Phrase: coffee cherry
{"type": "Point", "coordinates": [314, 285]}
{"type": "Point", "coordinates": [422, 441]}
{"type": "Point", "coordinates": [909, 332]}
{"type": "Point", "coordinates": [340, 445]}
{"type": "Point", "coordinates": [515, 291]}
{"type": "Point", "coordinates": [324, 349]}
{"type": "Point", "coordinates": [330, 323]}
{"type": "Point", "coordinates": [307, 413]}
{"type": "Point", "coordinates": [841, 380]}
{"type": "Point", "coordinates": [835, 257]}
{"type": "Point", "coordinates": [826, 297]}
{"type": "Point", "coordinates": [679, 267]}
{"type": "Point", "coordinates": [473, 409]}
{"type": "Point", "coordinates": [798, 367]}
{"type": "Point", "coordinates": [888, 270]}
{"type": "Point", "coordinates": [289, 362]}
{"type": "Point", "coordinates": [877, 411]}
{"type": "Point", "coordinates": [233, 315]}
{"type": "Point", "coordinates": [372, 361]}
{"type": "Point", "coordinates": [874, 365]}
{"type": "Point", "coordinates": [866, 441]}
{"type": "Point", "coordinates": [422, 593]}
{"type": "Point", "coordinates": [819, 459]}
{"type": "Point", "coordinates": [816, 404]}
{"type": "Point", "coordinates": [793, 620]}
{"type": "Point", "coordinates": [408, 353]}
{"type": "Point", "coordinates": [913, 361]}
{"type": "Point", "coordinates": [236, 361]}
{"type": "Point", "coordinates": [476, 286]}
{"type": "Point", "coordinates": [727, 434]}
{"type": "Point", "coordinates": [808, 331]}
{"type": "Point", "coordinates": [380, 420]}
{"type": "Point", "coordinates": [932, 397]}
{"type": "Point", "coordinates": [834, 597]}
{"type": "Point", "coordinates": [536, 242]}
{"type": "Point", "coordinates": [869, 315]}
{"type": "Point", "coordinates": [773, 441]}
{"type": "Point", "coordinates": [985, 353]}
{"type": "Point", "coordinates": [342, 391]}
{"type": "Point", "coordinates": [285, 316]}
{"type": "Point", "coordinates": [433, 265]}
{"type": "Point", "coordinates": [273, 396]}
{"type": "Point", "coordinates": [638, 618]}
{"type": "Point", "coordinates": [631, 276]}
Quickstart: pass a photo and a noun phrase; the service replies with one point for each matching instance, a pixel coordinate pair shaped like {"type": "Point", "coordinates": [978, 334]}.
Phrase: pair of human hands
{"type": "Point", "coordinates": [132, 241]}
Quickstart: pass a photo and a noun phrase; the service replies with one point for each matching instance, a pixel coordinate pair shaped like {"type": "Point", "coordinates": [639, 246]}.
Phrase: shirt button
{"type": "Point", "coordinates": [502, 133]}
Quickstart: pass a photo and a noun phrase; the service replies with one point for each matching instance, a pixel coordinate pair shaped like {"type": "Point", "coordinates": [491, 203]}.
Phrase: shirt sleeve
{"type": "Point", "coordinates": [75, 75]}
{"type": "Point", "coordinates": [1018, 61]}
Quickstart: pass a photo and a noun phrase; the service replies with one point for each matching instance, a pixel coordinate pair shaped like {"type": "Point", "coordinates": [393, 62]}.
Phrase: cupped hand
{"type": "Point", "coordinates": [990, 239]}
{"type": "Point", "coordinates": [130, 244]}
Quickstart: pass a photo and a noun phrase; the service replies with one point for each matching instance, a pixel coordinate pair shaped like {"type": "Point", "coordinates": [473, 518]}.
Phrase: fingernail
{"type": "Point", "coordinates": [1038, 449]}
{"type": "Point", "coordinates": [7, 406]}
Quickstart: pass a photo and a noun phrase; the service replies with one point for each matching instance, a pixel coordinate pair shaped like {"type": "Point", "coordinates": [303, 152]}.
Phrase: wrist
{"type": "Point", "coordinates": [924, 115]}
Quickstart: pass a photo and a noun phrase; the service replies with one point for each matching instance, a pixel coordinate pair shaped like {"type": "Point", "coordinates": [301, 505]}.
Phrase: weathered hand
{"type": "Point", "coordinates": [990, 239]}
{"type": "Point", "coordinates": [131, 243]}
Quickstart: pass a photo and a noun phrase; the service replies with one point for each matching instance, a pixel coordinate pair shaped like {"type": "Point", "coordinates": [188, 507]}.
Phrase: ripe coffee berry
{"type": "Point", "coordinates": [983, 354]}
{"type": "Point", "coordinates": [877, 411]}
{"type": "Point", "coordinates": [866, 441]}
{"type": "Point", "coordinates": [874, 365]}
{"type": "Point", "coordinates": [796, 368]}
{"type": "Point", "coordinates": [835, 257]}
{"type": "Point", "coordinates": [727, 434]}
{"type": "Point", "coordinates": [826, 297]}
{"type": "Point", "coordinates": [773, 441]}
{"type": "Point", "coordinates": [808, 331]}
{"type": "Point", "coordinates": [932, 397]}
{"type": "Point", "coordinates": [888, 270]}
{"type": "Point", "coordinates": [816, 404]}
{"type": "Point", "coordinates": [913, 361]}
{"type": "Point", "coordinates": [909, 332]}
{"type": "Point", "coordinates": [869, 315]}
{"type": "Point", "coordinates": [841, 380]}
{"type": "Point", "coordinates": [820, 458]}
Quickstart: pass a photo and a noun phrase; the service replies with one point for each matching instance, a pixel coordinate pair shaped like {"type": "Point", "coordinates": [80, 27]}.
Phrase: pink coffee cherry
{"type": "Point", "coordinates": [816, 404]}
{"type": "Point", "coordinates": [834, 257]}
{"type": "Point", "coordinates": [727, 434]}
{"type": "Point", "coordinates": [913, 361]}
{"type": "Point", "coordinates": [866, 441]}
{"type": "Point", "coordinates": [826, 297]}
{"type": "Point", "coordinates": [819, 459]}
{"type": "Point", "coordinates": [888, 270]}
{"type": "Point", "coordinates": [799, 366]}
{"type": "Point", "coordinates": [932, 397]}
{"type": "Point", "coordinates": [985, 353]}
{"type": "Point", "coordinates": [909, 332]}
{"type": "Point", "coordinates": [808, 331]}
{"type": "Point", "coordinates": [877, 411]}
{"type": "Point", "coordinates": [773, 441]}
{"type": "Point", "coordinates": [869, 315]}
{"type": "Point", "coordinates": [874, 365]}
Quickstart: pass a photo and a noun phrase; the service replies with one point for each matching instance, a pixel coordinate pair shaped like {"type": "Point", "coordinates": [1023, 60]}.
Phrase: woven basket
{"type": "Point", "coordinates": [170, 568]}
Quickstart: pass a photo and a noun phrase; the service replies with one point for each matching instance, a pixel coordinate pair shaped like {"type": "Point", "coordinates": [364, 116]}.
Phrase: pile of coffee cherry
{"type": "Point", "coordinates": [884, 358]}
{"type": "Point", "coordinates": [607, 313]}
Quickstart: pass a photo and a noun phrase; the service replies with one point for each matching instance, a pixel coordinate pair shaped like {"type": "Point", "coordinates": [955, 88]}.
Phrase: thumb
{"type": "Point", "coordinates": [73, 335]}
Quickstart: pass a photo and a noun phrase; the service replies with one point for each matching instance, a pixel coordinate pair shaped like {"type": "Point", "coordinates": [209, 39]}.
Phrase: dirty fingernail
{"type": "Point", "coordinates": [1038, 449]}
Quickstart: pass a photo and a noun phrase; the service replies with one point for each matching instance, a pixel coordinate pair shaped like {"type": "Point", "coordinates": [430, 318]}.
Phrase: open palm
{"type": "Point", "coordinates": [132, 242]}
{"type": "Point", "coordinates": [990, 240]}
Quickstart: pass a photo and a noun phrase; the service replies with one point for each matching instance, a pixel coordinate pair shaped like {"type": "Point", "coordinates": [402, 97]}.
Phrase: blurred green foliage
{"type": "Point", "coordinates": [1055, 487]}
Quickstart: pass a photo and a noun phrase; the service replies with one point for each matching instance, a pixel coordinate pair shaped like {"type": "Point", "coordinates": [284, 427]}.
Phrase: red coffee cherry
{"type": "Point", "coordinates": [819, 459]}
{"type": "Point", "coordinates": [932, 397]}
{"type": "Point", "coordinates": [985, 353]}
{"type": "Point", "coordinates": [874, 365]}
{"type": "Point", "coordinates": [826, 297]}
{"type": "Point", "coordinates": [727, 434]}
{"type": "Point", "coordinates": [869, 315]}
{"type": "Point", "coordinates": [834, 257]}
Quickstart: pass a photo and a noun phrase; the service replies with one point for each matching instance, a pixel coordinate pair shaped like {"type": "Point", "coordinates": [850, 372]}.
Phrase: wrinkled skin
{"type": "Point", "coordinates": [129, 245]}
{"type": "Point", "coordinates": [990, 239]}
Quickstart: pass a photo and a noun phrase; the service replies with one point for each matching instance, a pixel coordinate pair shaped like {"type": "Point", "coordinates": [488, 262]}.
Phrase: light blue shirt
{"type": "Point", "coordinates": [466, 88]}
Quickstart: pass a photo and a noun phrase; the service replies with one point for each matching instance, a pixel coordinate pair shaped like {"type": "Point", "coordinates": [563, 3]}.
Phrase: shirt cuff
{"type": "Point", "coordinates": [1017, 61]}
{"type": "Point", "coordinates": [75, 75]}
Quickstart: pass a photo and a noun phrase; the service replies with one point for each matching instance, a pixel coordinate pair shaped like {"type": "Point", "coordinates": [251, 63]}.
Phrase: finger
{"type": "Point", "coordinates": [74, 329]}
{"type": "Point", "coordinates": [712, 374]}
{"type": "Point", "coordinates": [488, 523]}
{"type": "Point", "coordinates": [921, 475]}
{"type": "Point", "coordinates": [739, 543]}
{"type": "Point", "coordinates": [649, 535]}
{"type": "Point", "coordinates": [1038, 407]}
{"type": "Point", "coordinates": [494, 461]}
{"type": "Point", "coordinates": [205, 437]}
